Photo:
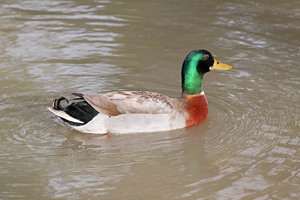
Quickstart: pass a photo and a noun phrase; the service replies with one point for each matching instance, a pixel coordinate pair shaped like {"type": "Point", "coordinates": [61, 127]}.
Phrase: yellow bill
{"type": "Point", "coordinates": [220, 66]}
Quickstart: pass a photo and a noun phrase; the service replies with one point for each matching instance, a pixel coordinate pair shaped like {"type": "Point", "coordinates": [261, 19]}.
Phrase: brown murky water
{"type": "Point", "coordinates": [248, 148]}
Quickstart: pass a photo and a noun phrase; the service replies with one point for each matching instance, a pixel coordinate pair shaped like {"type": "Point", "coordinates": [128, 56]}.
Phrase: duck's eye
{"type": "Point", "coordinates": [205, 57]}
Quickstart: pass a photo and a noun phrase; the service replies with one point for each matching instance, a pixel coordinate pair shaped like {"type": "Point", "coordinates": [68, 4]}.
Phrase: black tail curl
{"type": "Point", "coordinates": [56, 103]}
{"type": "Point", "coordinates": [80, 110]}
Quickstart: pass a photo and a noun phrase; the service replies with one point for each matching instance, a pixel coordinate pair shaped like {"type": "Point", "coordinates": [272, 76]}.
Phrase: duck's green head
{"type": "Point", "coordinates": [195, 65]}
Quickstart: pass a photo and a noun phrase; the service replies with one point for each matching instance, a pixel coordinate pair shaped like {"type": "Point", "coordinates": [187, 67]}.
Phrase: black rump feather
{"type": "Point", "coordinates": [80, 110]}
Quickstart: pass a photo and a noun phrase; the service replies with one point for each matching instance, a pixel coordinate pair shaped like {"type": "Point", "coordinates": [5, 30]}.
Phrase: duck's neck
{"type": "Point", "coordinates": [191, 79]}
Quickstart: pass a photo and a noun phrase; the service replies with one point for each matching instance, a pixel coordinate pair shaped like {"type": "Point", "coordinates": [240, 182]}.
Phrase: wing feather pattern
{"type": "Point", "coordinates": [131, 102]}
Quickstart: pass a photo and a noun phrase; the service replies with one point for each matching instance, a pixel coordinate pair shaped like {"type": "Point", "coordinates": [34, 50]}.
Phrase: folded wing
{"type": "Point", "coordinates": [137, 102]}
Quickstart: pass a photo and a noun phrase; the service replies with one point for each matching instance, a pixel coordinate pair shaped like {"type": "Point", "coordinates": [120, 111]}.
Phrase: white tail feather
{"type": "Point", "coordinates": [64, 115]}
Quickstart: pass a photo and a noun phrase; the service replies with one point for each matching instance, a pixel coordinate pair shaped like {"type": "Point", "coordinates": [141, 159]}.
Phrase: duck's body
{"type": "Point", "coordinates": [132, 111]}
{"type": "Point", "coordinates": [143, 111]}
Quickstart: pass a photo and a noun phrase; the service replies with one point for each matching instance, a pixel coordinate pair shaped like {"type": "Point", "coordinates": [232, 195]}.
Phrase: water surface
{"type": "Point", "coordinates": [248, 148]}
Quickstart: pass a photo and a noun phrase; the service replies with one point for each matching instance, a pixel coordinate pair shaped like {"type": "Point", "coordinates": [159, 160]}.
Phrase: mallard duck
{"type": "Point", "coordinates": [143, 111]}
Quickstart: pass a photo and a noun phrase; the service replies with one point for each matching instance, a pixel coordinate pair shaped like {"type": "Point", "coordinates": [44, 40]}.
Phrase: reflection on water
{"type": "Point", "coordinates": [246, 149]}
